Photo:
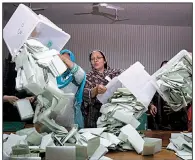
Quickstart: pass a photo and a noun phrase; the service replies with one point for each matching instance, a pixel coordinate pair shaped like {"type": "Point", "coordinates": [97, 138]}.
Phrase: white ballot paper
{"type": "Point", "coordinates": [12, 140]}
{"type": "Point", "coordinates": [25, 158]}
{"type": "Point", "coordinates": [95, 131]}
{"type": "Point", "coordinates": [60, 153]}
{"type": "Point", "coordinates": [138, 82]}
{"type": "Point", "coordinates": [101, 151]}
{"type": "Point", "coordinates": [25, 109]}
{"type": "Point", "coordinates": [105, 158]}
{"type": "Point", "coordinates": [151, 146]}
{"type": "Point", "coordinates": [111, 137]}
{"type": "Point", "coordinates": [134, 138]}
{"type": "Point", "coordinates": [112, 86]}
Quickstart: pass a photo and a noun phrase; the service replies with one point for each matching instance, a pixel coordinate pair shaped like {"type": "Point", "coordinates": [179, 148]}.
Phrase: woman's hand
{"type": "Point", "coordinates": [101, 89]}
{"type": "Point", "coordinates": [10, 99]}
{"type": "Point", "coordinates": [153, 110]}
{"type": "Point", "coordinates": [63, 58]}
{"type": "Point", "coordinates": [94, 92]}
{"type": "Point", "coordinates": [66, 59]}
{"type": "Point", "coordinates": [38, 126]}
{"type": "Point", "coordinates": [31, 99]}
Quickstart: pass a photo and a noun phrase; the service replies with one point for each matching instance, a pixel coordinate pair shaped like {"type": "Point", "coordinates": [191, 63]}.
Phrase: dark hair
{"type": "Point", "coordinates": [105, 64]}
{"type": "Point", "coordinates": [164, 62]}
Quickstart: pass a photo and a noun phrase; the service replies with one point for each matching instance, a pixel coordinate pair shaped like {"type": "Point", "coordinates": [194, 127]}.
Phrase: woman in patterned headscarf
{"type": "Point", "coordinates": [96, 81]}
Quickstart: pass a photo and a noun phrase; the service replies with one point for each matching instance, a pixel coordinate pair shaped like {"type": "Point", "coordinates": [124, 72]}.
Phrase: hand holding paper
{"type": "Point", "coordinates": [101, 89]}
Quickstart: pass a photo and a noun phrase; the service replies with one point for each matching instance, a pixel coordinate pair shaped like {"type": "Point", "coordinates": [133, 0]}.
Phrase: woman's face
{"type": "Point", "coordinates": [97, 60]}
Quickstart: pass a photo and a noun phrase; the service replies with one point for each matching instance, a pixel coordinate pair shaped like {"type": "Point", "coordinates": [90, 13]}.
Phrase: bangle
{"type": "Point", "coordinates": [74, 69]}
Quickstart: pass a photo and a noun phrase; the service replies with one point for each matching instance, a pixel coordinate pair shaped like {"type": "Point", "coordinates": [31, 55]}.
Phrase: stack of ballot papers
{"type": "Point", "coordinates": [46, 57]}
{"type": "Point", "coordinates": [122, 108]}
{"type": "Point", "coordinates": [28, 143]}
{"type": "Point", "coordinates": [181, 143]}
{"type": "Point", "coordinates": [136, 80]}
{"type": "Point", "coordinates": [35, 65]}
{"type": "Point", "coordinates": [86, 143]}
{"type": "Point", "coordinates": [174, 81]}
{"type": "Point", "coordinates": [120, 118]}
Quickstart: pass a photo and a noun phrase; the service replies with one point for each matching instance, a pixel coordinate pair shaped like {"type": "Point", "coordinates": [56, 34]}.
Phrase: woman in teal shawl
{"type": "Point", "coordinates": [72, 81]}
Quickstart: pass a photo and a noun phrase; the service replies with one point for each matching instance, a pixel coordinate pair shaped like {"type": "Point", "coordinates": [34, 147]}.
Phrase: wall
{"type": "Point", "coordinates": [126, 44]}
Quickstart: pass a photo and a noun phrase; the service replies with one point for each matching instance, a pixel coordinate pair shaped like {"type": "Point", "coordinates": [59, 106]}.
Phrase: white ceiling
{"type": "Point", "coordinates": [167, 14]}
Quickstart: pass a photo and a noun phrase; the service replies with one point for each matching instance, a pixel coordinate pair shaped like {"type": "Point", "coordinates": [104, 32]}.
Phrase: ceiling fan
{"type": "Point", "coordinates": [95, 11]}
{"type": "Point", "coordinates": [30, 6]}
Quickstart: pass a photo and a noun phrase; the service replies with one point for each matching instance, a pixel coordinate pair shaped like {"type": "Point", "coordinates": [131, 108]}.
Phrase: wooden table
{"type": "Point", "coordinates": [163, 155]}
{"type": "Point", "coordinates": [132, 155]}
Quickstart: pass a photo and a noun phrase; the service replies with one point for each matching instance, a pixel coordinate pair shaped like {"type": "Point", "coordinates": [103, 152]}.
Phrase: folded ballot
{"type": "Point", "coordinates": [25, 109]}
{"type": "Point", "coordinates": [95, 131]}
{"type": "Point", "coordinates": [57, 66]}
{"type": "Point", "coordinates": [181, 145]}
{"type": "Point", "coordinates": [133, 137]}
{"type": "Point", "coordinates": [112, 86]}
{"type": "Point", "coordinates": [101, 151]}
{"type": "Point", "coordinates": [60, 152]}
{"type": "Point", "coordinates": [152, 146]}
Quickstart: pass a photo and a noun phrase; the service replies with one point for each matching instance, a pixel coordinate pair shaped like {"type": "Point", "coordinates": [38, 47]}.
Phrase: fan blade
{"type": "Point", "coordinates": [122, 19]}
{"type": "Point", "coordinates": [38, 9]}
{"type": "Point", "coordinates": [108, 15]}
{"type": "Point", "coordinates": [15, 5]}
{"type": "Point", "coordinates": [34, 9]}
{"type": "Point", "coordinates": [118, 20]}
{"type": "Point", "coordinates": [95, 4]}
{"type": "Point", "coordinates": [81, 13]}
{"type": "Point", "coordinates": [103, 4]}
{"type": "Point", "coordinates": [114, 7]}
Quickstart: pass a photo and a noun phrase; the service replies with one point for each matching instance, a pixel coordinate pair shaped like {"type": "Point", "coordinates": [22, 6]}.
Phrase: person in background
{"type": "Point", "coordinates": [162, 117]}
{"type": "Point", "coordinates": [190, 118]}
{"type": "Point", "coordinates": [96, 81]}
{"type": "Point", "coordinates": [190, 113]}
{"type": "Point", "coordinates": [10, 94]}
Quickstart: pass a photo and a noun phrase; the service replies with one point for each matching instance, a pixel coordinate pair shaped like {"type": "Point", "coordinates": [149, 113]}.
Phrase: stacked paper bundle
{"type": "Point", "coordinates": [181, 143]}
{"type": "Point", "coordinates": [33, 62]}
{"type": "Point", "coordinates": [123, 108]}
{"type": "Point", "coordinates": [29, 144]}
{"type": "Point", "coordinates": [174, 81]}
{"type": "Point", "coordinates": [88, 143]}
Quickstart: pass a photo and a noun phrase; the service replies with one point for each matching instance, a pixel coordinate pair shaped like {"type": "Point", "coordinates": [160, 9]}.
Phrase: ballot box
{"type": "Point", "coordinates": [180, 77]}
{"type": "Point", "coordinates": [25, 24]}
